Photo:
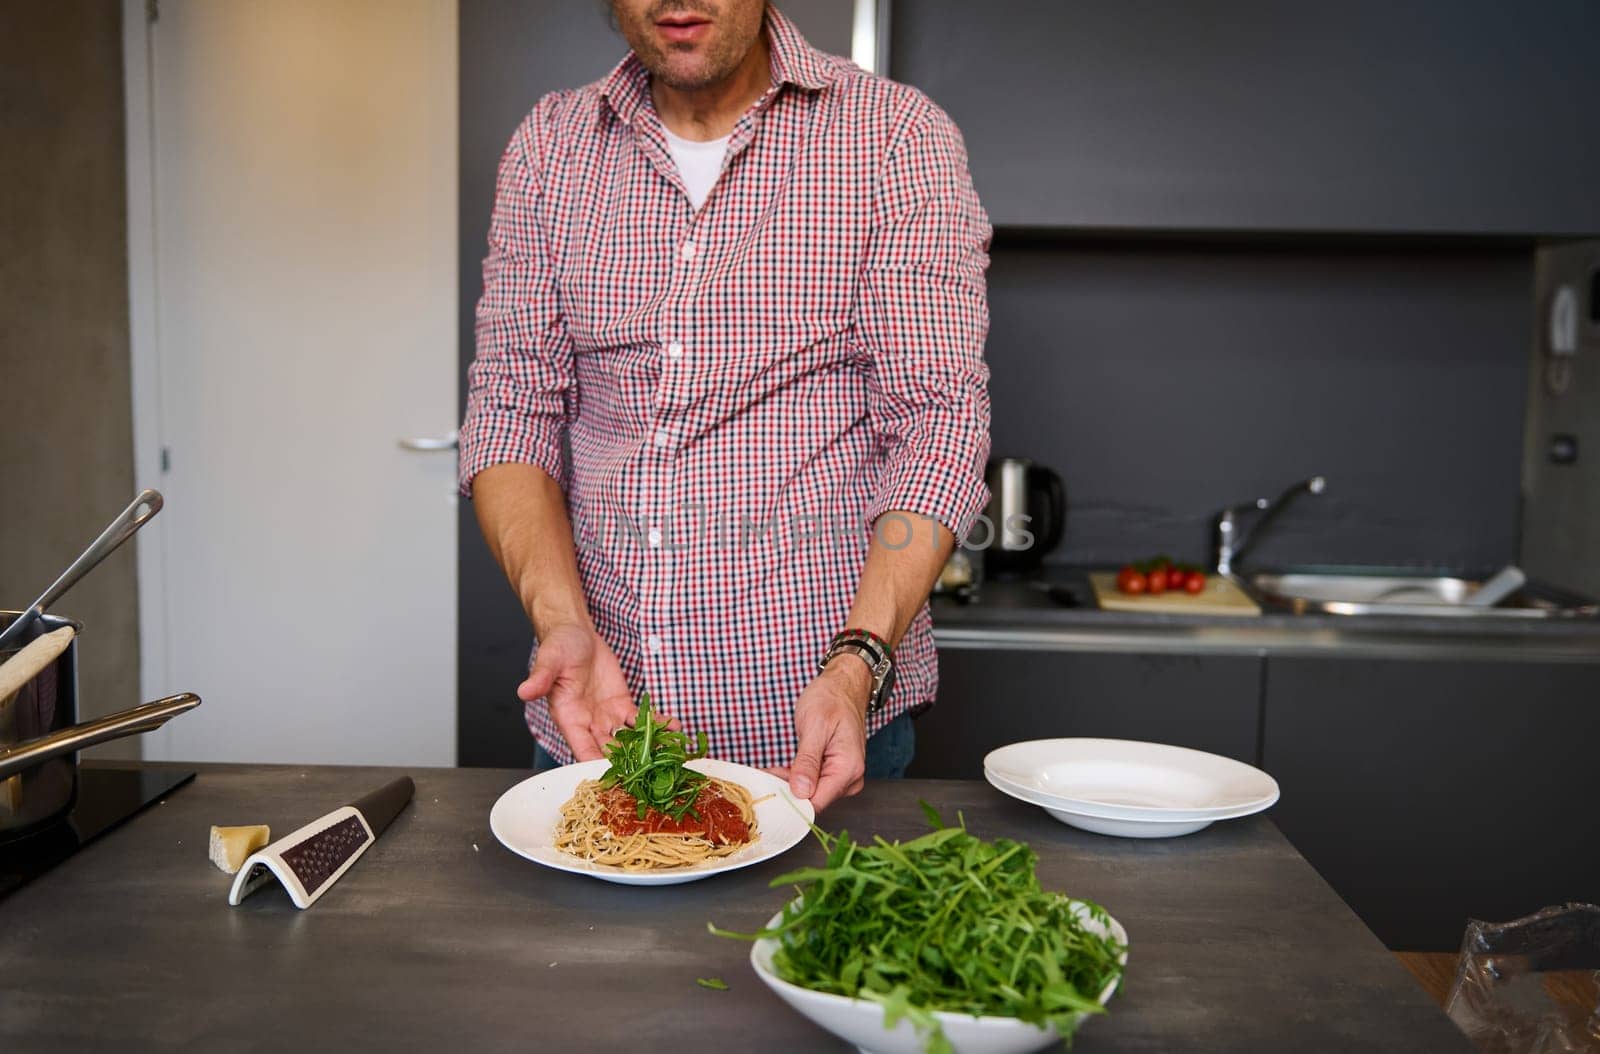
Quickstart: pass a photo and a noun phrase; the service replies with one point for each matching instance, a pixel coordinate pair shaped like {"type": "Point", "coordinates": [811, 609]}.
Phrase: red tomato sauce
{"type": "Point", "coordinates": [719, 823]}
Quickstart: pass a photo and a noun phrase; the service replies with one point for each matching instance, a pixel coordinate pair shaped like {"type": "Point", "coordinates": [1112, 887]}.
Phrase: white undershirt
{"type": "Point", "coordinates": [698, 163]}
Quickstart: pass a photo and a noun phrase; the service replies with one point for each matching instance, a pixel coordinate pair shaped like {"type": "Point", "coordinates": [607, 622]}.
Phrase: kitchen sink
{"type": "Point", "coordinates": [1338, 593]}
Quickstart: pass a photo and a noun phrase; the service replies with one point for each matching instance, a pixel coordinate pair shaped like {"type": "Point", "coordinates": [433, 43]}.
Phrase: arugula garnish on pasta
{"type": "Point", "coordinates": [648, 760]}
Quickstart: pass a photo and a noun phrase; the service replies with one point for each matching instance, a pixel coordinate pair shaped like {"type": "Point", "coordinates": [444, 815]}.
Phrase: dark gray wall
{"type": "Point", "coordinates": [513, 52]}
{"type": "Point", "coordinates": [826, 23]}
{"type": "Point", "coordinates": [1167, 380]}
{"type": "Point", "coordinates": [66, 460]}
{"type": "Point", "coordinates": [1454, 115]}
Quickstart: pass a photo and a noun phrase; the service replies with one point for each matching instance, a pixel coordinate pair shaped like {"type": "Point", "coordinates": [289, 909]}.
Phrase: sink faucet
{"type": "Point", "coordinates": [1231, 543]}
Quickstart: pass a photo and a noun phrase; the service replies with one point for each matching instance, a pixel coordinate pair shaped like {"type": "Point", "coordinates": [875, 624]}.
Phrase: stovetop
{"type": "Point", "coordinates": [107, 797]}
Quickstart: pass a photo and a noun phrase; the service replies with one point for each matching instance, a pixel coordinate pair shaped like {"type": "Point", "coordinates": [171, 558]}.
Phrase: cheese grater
{"type": "Point", "coordinates": [311, 859]}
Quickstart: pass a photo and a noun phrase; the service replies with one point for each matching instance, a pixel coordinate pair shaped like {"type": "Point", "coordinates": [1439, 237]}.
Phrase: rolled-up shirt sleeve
{"type": "Point", "coordinates": [520, 387]}
{"type": "Point", "coordinates": [922, 316]}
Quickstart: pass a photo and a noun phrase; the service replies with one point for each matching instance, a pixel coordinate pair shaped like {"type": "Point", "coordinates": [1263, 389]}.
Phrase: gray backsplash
{"type": "Point", "coordinates": [1164, 380]}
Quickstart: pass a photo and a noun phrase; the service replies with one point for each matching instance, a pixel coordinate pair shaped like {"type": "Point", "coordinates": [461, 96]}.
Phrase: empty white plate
{"type": "Point", "coordinates": [525, 817]}
{"type": "Point", "coordinates": [1128, 788]}
{"type": "Point", "coordinates": [1033, 796]}
{"type": "Point", "coordinates": [1082, 817]}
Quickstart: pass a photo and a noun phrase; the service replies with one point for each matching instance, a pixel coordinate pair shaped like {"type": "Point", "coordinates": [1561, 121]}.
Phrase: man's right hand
{"type": "Point", "coordinates": [589, 697]}
{"type": "Point", "coordinates": [523, 514]}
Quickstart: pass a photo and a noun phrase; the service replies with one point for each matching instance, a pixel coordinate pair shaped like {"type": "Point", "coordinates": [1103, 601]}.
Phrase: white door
{"type": "Point", "coordinates": [300, 166]}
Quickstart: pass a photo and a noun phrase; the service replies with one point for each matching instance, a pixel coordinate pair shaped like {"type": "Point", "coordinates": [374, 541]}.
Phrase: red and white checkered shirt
{"type": "Point", "coordinates": [744, 388]}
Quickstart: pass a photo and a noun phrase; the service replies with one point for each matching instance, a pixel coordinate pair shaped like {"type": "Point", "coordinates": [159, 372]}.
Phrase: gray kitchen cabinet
{"type": "Point", "coordinates": [992, 697]}
{"type": "Point", "coordinates": [1251, 115]}
{"type": "Point", "coordinates": [1430, 792]}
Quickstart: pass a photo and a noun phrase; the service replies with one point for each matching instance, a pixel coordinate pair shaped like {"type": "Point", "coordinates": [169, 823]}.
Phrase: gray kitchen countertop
{"type": "Point", "coordinates": [1021, 614]}
{"type": "Point", "coordinates": [438, 938]}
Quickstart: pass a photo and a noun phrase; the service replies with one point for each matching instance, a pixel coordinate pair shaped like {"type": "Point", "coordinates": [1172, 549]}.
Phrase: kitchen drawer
{"type": "Point", "coordinates": [1430, 792]}
{"type": "Point", "coordinates": [993, 697]}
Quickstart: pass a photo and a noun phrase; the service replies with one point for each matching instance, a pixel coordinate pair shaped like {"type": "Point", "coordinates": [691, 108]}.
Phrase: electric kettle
{"type": "Point", "coordinates": [1026, 513]}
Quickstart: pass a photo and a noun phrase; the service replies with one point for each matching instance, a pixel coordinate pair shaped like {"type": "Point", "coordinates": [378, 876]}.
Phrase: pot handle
{"type": "Point", "coordinates": [142, 718]}
{"type": "Point", "coordinates": [139, 511]}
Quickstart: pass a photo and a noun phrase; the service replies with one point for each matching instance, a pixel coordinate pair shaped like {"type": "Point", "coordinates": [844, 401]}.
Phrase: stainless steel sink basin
{"type": "Point", "coordinates": [1375, 594]}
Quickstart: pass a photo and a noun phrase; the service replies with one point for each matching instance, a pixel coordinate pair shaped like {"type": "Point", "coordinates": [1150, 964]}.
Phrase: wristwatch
{"type": "Point", "coordinates": [875, 652]}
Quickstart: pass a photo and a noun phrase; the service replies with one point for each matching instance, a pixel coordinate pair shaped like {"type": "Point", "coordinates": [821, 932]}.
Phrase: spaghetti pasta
{"type": "Point", "coordinates": [605, 825]}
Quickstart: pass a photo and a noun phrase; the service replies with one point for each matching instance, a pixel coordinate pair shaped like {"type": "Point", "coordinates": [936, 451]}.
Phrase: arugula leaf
{"type": "Point", "coordinates": [647, 761]}
{"type": "Point", "coordinates": [716, 984]}
{"type": "Point", "coordinates": [944, 922]}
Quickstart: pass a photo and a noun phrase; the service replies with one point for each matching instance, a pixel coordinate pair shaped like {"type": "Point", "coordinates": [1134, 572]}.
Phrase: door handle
{"type": "Point", "coordinates": [427, 443]}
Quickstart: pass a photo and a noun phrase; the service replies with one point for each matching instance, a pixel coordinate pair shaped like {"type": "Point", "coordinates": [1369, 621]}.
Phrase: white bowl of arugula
{"type": "Point", "coordinates": [944, 944]}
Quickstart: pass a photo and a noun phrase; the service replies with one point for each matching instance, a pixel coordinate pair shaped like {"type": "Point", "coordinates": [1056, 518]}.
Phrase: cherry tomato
{"type": "Point", "coordinates": [1156, 581]}
{"type": "Point", "coordinates": [1177, 578]}
{"type": "Point", "coordinates": [1195, 583]}
{"type": "Point", "coordinates": [1130, 581]}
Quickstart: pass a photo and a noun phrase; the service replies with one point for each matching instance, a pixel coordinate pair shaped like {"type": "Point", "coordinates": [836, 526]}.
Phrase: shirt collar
{"type": "Point", "coordinates": [794, 61]}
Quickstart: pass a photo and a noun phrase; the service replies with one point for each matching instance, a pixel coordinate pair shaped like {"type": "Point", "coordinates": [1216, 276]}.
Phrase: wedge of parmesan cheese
{"type": "Point", "coordinates": [231, 845]}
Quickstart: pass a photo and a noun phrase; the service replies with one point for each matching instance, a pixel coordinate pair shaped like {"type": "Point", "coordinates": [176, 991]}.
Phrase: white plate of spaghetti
{"type": "Point", "coordinates": [713, 816]}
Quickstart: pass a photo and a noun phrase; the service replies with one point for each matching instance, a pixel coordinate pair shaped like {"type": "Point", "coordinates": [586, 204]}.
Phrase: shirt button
{"type": "Point", "coordinates": [653, 642]}
{"type": "Point", "coordinates": [674, 350]}
{"type": "Point", "coordinates": [686, 251]}
{"type": "Point", "coordinates": [655, 537]}
{"type": "Point", "coordinates": [661, 438]}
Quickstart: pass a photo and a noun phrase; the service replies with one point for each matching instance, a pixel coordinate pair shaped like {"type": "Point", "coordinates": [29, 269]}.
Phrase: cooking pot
{"type": "Point", "coordinates": [39, 739]}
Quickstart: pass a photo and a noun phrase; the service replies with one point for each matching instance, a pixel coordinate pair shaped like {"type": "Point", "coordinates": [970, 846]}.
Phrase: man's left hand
{"type": "Point", "coordinates": [831, 720]}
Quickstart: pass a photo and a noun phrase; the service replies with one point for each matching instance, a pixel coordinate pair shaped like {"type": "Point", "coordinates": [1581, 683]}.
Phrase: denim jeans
{"type": "Point", "coordinates": [889, 751]}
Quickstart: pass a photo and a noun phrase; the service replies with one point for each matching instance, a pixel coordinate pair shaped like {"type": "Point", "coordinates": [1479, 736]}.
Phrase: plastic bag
{"type": "Point", "coordinates": [1529, 986]}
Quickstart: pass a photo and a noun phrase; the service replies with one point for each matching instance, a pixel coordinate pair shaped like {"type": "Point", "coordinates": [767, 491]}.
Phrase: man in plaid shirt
{"type": "Point", "coordinates": [729, 404]}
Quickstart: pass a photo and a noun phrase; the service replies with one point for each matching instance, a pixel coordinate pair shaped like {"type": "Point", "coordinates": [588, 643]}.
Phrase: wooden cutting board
{"type": "Point", "coordinates": [1220, 597]}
